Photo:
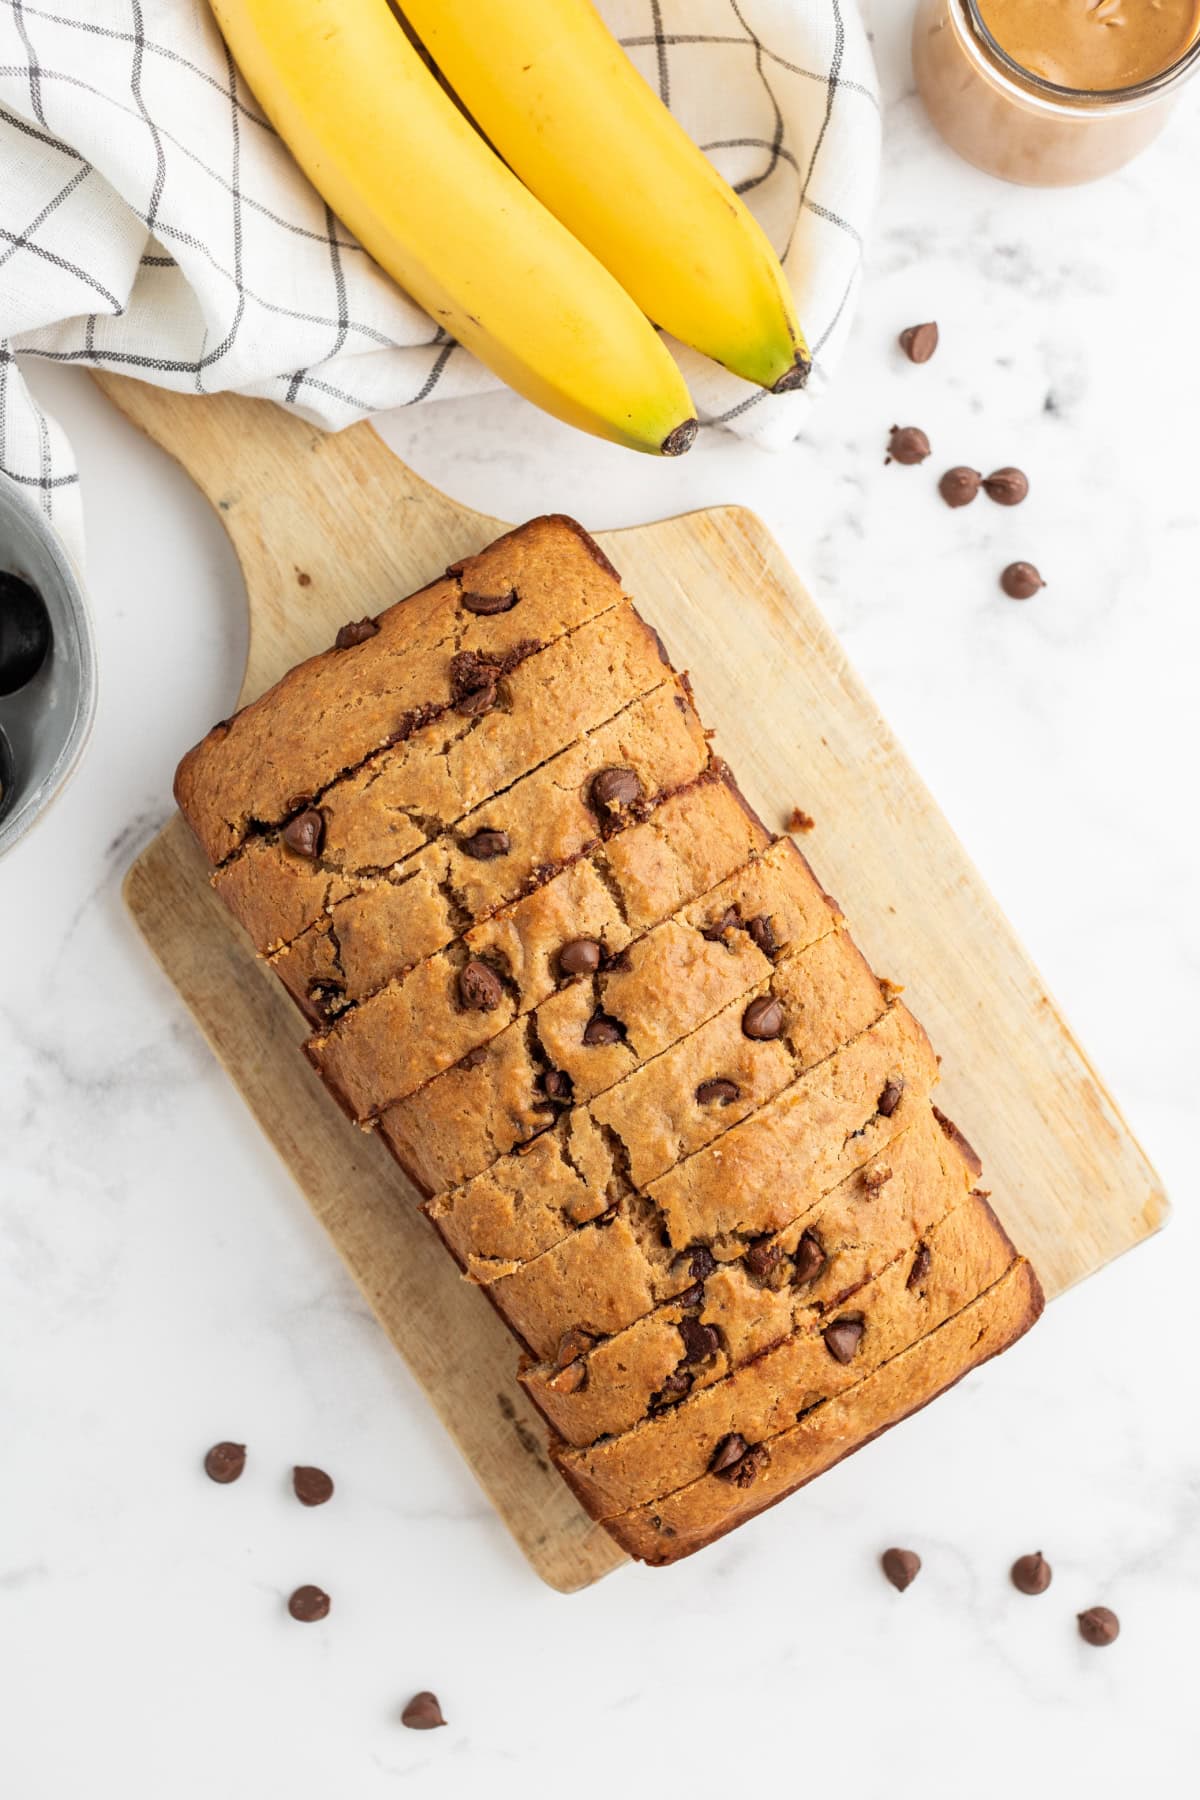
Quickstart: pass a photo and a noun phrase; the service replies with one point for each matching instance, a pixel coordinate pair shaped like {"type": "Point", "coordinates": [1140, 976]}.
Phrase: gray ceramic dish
{"type": "Point", "coordinates": [47, 722]}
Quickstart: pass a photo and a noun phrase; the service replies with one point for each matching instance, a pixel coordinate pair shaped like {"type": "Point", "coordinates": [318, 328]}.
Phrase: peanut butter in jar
{"type": "Point", "coordinates": [1052, 92]}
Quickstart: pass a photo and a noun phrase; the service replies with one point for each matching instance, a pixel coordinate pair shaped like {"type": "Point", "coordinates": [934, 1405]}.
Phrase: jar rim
{"type": "Point", "coordinates": [1053, 90]}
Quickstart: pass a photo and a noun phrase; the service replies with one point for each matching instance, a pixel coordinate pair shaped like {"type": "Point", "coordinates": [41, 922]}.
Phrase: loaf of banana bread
{"type": "Point", "coordinates": [656, 1103]}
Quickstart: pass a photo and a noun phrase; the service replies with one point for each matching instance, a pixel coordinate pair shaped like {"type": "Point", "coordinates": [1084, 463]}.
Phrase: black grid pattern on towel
{"type": "Point", "coordinates": [44, 118]}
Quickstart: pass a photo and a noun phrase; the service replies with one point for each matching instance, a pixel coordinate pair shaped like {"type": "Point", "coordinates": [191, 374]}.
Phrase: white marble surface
{"type": "Point", "coordinates": [161, 1284]}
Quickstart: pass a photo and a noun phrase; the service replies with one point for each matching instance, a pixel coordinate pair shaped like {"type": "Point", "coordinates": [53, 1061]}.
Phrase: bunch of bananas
{"type": "Point", "coordinates": [547, 229]}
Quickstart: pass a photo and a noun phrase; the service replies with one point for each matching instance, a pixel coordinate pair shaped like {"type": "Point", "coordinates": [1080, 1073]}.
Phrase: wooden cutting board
{"type": "Point", "coordinates": [329, 528]}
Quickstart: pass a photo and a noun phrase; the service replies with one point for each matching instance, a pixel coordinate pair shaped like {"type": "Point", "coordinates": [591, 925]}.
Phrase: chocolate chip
{"type": "Point", "coordinates": [486, 605]}
{"type": "Point", "coordinates": [473, 705]}
{"type": "Point", "coordinates": [718, 1091]}
{"type": "Point", "coordinates": [225, 1462]}
{"type": "Point", "coordinates": [615, 787]}
{"type": "Point", "coordinates": [1098, 1626]}
{"type": "Point", "coordinates": [701, 1263]}
{"type": "Point", "coordinates": [312, 1487]}
{"type": "Point", "coordinates": [728, 1452]}
{"type": "Point", "coordinates": [737, 1461]}
{"type": "Point", "coordinates": [1007, 487]}
{"type": "Point", "coordinates": [763, 1258]}
{"type": "Point", "coordinates": [763, 1018]}
{"type": "Point", "coordinates": [901, 1567]}
{"type": "Point", "coordinates": [675, 1388]}
{"type": "Point", "coordinates": [601, 1028]}
{"type": "Point", "coordinates": [1021, 581]}
{"type": "Point", "coordinates": [762, 934]}
{"type": "Point", "coordinates": [691, 1296]}
{"type": "Point", "coordinates": [485, 846]}
{"type": "Point", "coordinates": [718, 932]}
{"type": "Point", "coordinates": [308, 1604]}
{"type": "Point", "coordinates": [810, 1258]}
{"type": "Point", "coordinates": [700, 1342]}
{"type": "Point", "coordinates": [959, 486]}
{"type": "Point", "coordinates": [889, 1099]}
{"type": "Point", "coordinates": [920, 1267]}
{"type": "Point", "coordinates": [1031, 1574]}
{"type": "Point", "coordinates": [571, 1345]}
{"type": "Point", "coordinates": [907, 444]}
{"type": "Point", "coordinates": [423, 1713]}
{"type": "Point", "coordinates": [474, 1057]}
{"type": "Point", "coordinates": [357, 632]}
{"type": "Point", "coordinates": [747, 1471]}
{"type": "Point", "coordinates": [582, 956]}
{"type": "Point", "coordinates": [842, 1339]}
{"type": "Point", "coordinates": [305, 834]}
{"type": "Point", "coordinates": [919, 342]}
{"type": "Point", "coordinates": [479, 988]}
{"type": "Point", "coordinates": [556, 1088]}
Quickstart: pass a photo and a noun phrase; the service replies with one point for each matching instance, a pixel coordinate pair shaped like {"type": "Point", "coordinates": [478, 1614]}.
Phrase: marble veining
{"type": "Point", "coordinates": [162, 1286]}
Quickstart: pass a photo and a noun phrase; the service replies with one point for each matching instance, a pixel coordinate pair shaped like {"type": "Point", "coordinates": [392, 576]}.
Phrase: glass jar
{"type": "Point", "coordinates": [1013, 123]}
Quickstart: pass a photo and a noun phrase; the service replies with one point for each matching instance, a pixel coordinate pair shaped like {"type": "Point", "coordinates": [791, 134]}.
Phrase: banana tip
{"type": "Point", "coordinates": [795, 377]}
{"type": "Point", "coordinates": [681, 439]}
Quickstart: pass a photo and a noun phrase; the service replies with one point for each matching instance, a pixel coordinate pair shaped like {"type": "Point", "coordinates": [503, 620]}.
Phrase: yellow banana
{"type": "Point", "coordinates": [412, 178]}
{"type": "Point", "coordinates": [566, 109]}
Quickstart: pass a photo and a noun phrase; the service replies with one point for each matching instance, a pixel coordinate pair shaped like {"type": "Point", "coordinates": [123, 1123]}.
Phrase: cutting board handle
{"type": "Point", "coordinates": [302, 507]}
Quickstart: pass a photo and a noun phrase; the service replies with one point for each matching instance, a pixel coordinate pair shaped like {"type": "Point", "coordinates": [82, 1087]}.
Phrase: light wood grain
{"type": "Point", "coordinates": [794, 721]}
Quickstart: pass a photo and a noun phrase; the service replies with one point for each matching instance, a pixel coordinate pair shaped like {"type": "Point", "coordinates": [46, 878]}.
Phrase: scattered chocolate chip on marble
{"type": "Point", "coordinates": [308, 1604]}
{"type": "Point", "coordinates": [901, 1567]}
{"type": "Point", "coordinates": [959, 486]}
{"type": "Point", "coordinates": [423, 1712]}
{"type": "Point", "coordinates": [356, 632]}
{"type": "Point", "coordinates": [305, 834]}
{"type": "Point", "coordinates": [1099, 1627]}
{"type": "Point", "coordinates": [763, 1018]}
{"type": "Point", "coordinates": [1007, 486]}
{"type": "Point", "coordinates": [479, 988]}
{"type": "Point", "coordinates": [582, 956]}
{"type": "Point", "coordinates": [842, 1339]}
{"type": "Point", "coordinates": [1021, 581]}
{"type": "Point", "coordinates": [1031, 1574]}
{"type": "Point", "coordinates": [312, 1487]}
{"type": "Point", "coordinates": [919, 342]}
{"type": "Point", "coordinates": [907, 444]}
{"type": "Point", "coordinates": [225, 1462]}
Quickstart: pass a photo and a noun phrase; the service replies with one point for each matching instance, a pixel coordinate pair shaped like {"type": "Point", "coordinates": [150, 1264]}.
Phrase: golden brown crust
{"type": "Point", "coordinates": [687, 1136]}
{"type": "Point", "coordinates": [329, 713]}
{"type": "Point", "coordinates": [412, 1029]}
{"type": "Point", "coordinates": [963, 1254]}
{"type": "Point", "coordinates": [665, 1530]}
{"type": "Point", "coordinates": [812, 1268]}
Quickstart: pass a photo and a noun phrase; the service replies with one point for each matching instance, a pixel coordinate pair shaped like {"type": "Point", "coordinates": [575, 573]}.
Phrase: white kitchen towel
{"type": "Point", "coordinates": [152, 222]}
